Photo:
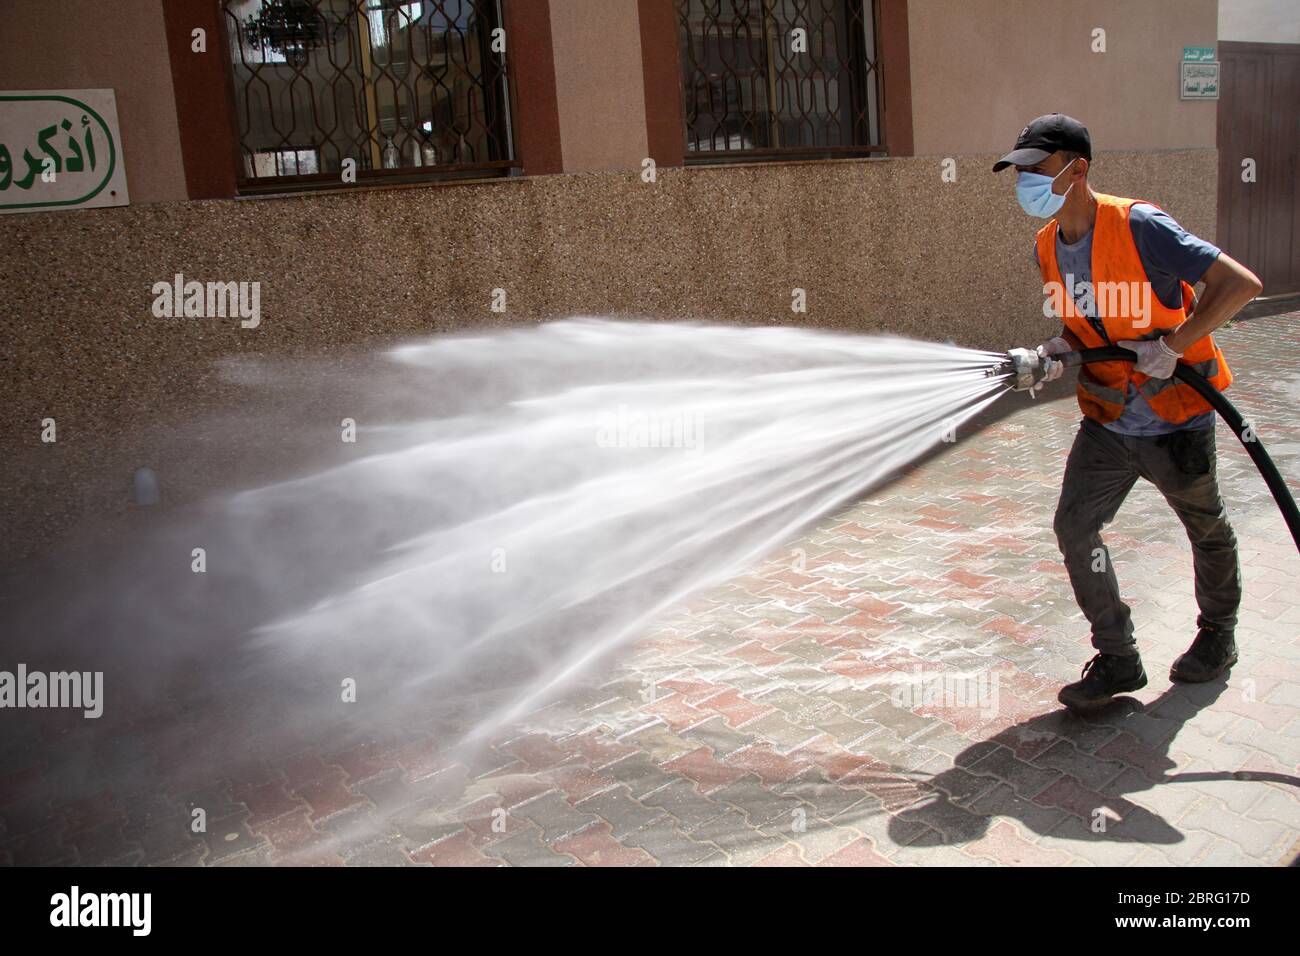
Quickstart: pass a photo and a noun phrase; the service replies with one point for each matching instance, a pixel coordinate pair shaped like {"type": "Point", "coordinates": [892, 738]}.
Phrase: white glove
{"type": "Point", "coordinates": [1054, 347]}
{"type": "Point", "coordinates": [1051, 370]}
{"type": "Point", "coordinates": [1154, 357]}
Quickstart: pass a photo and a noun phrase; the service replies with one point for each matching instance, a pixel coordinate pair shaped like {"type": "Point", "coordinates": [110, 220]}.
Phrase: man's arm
{"type": "Point", "coordinates": [1229, 286]}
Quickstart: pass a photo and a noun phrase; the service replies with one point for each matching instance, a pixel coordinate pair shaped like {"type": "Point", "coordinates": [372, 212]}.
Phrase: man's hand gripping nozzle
{"type": "Point", "coordinates": [1029, 369]}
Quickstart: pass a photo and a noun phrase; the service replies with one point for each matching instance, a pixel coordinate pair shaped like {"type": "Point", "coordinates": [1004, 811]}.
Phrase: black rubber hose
{"type": "Point", "coordinates": [1254, 447]}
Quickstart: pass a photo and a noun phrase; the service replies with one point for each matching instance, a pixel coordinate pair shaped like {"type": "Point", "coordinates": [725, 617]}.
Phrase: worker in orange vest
{"type": "Point", "coordinates": [1120, 272]}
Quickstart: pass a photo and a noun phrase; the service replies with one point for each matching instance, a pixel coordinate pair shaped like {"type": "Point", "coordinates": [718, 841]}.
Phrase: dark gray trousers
{"type": "Point", "coordinates": [1103, 466]}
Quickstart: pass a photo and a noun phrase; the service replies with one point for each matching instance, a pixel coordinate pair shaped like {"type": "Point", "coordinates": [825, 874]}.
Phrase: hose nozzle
{"type": "Point", "coordinates": [1021, 364]}
{"type": "Point", "coordinates": [1028, 369]}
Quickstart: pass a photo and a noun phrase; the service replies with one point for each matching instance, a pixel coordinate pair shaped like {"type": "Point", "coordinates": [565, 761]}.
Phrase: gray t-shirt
{"type": "Point", "coordinates": [1170, 255]}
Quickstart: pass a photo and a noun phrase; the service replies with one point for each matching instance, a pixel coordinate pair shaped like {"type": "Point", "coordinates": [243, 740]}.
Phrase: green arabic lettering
{"type": "Point", "coordinates": [75, 164]}
{"type": "Point", "coordinates": [89, 140]}
{"type": "Point", "coordinates": [6, 167]}
{"type": "Point", "coordinates": [33, 167]}
{"type": "Point", "coordinates": [43, 139]}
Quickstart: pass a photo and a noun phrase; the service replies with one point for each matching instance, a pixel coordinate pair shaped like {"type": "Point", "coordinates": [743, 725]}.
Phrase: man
{"type": "Point", "coordinates": [1120, 272]}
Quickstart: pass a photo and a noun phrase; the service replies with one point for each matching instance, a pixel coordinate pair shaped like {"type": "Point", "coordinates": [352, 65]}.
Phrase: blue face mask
{"type": "Point", "coordinates": [1034, 192]}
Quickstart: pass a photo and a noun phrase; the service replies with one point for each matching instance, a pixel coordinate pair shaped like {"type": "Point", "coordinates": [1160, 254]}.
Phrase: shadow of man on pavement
{"type": "Point", "coordinates": [1036, 769]}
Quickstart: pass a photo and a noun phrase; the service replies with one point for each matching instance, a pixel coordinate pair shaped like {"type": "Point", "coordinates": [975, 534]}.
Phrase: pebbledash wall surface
{"type": "Point", "coordinates": [878, 244]}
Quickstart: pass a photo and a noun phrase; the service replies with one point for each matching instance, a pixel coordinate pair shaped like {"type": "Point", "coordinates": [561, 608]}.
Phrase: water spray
{"type": "Point", "coordinates": [1027, 371]}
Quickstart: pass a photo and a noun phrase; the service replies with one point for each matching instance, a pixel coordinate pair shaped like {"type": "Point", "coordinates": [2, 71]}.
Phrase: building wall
{"type": "Point", "coordinates": [1003, 62]}
{"type": "Point", "coordinates": [1259, 21]}
{"type": "Point", "coordinates": [981, 70]}
{"type": "Point", "coordinates": [89, 44]}
{"type": "Point", "coordinates": [881, 245]}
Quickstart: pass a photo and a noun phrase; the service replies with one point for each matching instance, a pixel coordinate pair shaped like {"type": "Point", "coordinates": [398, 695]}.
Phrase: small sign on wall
{"type": "Point", "coordinates": [1198, 74]}
{"type": "Point", "coordinates": [60, 149]}
{"type": "Point", "coordinates": [1200, 81]}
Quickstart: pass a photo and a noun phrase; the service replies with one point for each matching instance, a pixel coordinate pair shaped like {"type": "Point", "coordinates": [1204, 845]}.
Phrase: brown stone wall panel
{"type": "Point", "coordinates": [530, 59]}
{"type": "Point", "coordinates": [896, 60]}
{"type": "Point", "coordinates": [661, 64]}
{"type": "Point", "coordinates": [204, 99]}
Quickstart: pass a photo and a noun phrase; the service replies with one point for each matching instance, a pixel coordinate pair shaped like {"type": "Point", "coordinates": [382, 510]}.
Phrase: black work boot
{"type": "Point", "coordinates": [1212, 653]}
{"type": "Point", "coordinates": [1103, 677]}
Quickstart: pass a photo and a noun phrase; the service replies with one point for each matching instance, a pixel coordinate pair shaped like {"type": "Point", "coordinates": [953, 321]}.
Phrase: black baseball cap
{"type": "Point", "coordinates": [1045, 136]}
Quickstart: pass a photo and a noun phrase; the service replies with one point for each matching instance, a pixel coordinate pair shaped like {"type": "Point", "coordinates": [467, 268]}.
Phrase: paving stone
{"type": "Point", "coordinates": [821, 840]}
{"type": "Point", "coordinates": [623, 813]}
{"type": "Point", "coordinates": [639, 774]}
{"type": "Point", "coordinates": [952, 823]}
{"type": "Point", "coordinates": [379, 853]}
{"type": "Point", "coordinates": [685, 805]}
{"type": "Point", "coordinates": [1258, 839]}
{"type": "Point", "coordinates": [1004, 844]}
{"type": "Point", "coordinates": [900, 720]}
{"type": "Point", "coordinates": [922, 853]}
{"type": "Point", "coordinates": [1073, 836]}
{"type": "Point", "coordinates": [1026, 779]}
{"type": "Point", "coordinates": [596, 846]}
{"type": "Point", "coordinates": [742, 843]}
{"type": "Point", "coordinates": [422, 824]}
{"type": "Point", "coordinates": [525, 848]}
{"type": "Point", "coordinates": [1276, 805]}
{"type": "Point", "coordinates": [1226, 853]}
{"type": "Point", "coordinates": [1091, 771]}
{"type": "Point", "coordinates": [961, 787]}
{"type": "Point", "coordinates": [784, 735]}
{"type": "Point", "coordinates": [555, 816]}
{"type": "Point", "coordinates": [164, 841]}
{"type": "Point", "coordinates": [718, 737]}
{"type": "Point", "coordinates": [760, 805]}
{"type": "Point", "coordinates": [660, 743]}
{"type": "Point", "coordinates": [830, 799]}
{"type": "Point", "coordinates": [861, 852]}
{"type": "Point", "coordinates": [228, 837]}
{"type": "Point", "coordinates": [669, 845]}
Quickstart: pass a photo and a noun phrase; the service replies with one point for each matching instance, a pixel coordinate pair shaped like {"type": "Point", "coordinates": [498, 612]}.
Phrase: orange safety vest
{"type": "Point", "coordinates": [1121, 287]}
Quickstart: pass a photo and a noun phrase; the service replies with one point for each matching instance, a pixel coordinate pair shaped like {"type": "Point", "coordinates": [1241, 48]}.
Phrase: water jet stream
{"type": "Point", "coordinates": [564, 534]}
{"type": "Point", "coordinates": [517, 506]}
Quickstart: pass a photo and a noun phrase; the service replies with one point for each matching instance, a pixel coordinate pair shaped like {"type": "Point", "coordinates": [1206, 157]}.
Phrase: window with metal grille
{"type": "Point", "coordinates": [779, 78]}
{"type": "Point", "coordinates": [407, 90]}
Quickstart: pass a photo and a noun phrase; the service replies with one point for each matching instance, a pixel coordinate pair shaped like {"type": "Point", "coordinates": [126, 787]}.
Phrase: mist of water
{"type": "Point", "coordinates": [601, 472]}
{"type": "Point", "coordinates": [519, 504]}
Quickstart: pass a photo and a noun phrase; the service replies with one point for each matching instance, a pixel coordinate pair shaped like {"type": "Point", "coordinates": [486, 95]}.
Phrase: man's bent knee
{"type": "Point", "coordinates": [1074, 530]}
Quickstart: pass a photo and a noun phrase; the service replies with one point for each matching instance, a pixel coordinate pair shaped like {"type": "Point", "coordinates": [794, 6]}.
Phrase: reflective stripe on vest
{"type": "Point", "coordinates": [1154, 386]}
{"type": "Point", "coordinates": [1097, 390]}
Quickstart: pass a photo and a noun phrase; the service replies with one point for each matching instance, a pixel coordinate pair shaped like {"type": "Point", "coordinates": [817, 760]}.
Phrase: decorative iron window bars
{"type": "Point", "coordinates": [779, 78]}
{"type": "Point", "coordinates": [402, 89]}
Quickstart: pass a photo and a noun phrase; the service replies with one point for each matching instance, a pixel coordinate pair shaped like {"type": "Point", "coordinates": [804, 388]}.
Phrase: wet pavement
{"type": "Point", "coordinates": [881, 691]}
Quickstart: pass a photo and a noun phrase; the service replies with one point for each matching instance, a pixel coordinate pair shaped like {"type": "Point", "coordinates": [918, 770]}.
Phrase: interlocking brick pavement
{"type": "Point", "coordinates": [789, 721]}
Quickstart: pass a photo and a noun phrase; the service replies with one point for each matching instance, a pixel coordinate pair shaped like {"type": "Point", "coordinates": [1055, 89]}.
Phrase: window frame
{"type": "Point", "coordinates": [244, 185]}
{"type": "Point", "coordinates": [881, 22]}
